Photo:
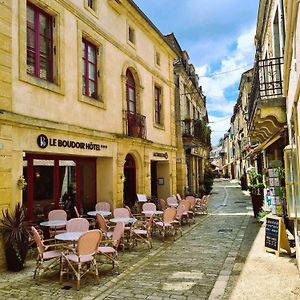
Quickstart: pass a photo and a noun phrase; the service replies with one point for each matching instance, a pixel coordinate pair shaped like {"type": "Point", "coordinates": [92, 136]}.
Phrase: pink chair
{"type": "Point", "coordinates": [121, 212]}
{"type": "Point", "coordinates": [102, 206]}
{"type": "Point", "coordinates": [166, 225]}
{"type": "Point", "coordinates": [77, 225]}
{"type": "Point", "coordinates": [57, 215]}
{"type": "Point", "coordinates": [142, 231]}
{"type": "Point", "coordinates": [149, 207]}
{"type": "Point", "coordinates": [178, 218]}
{"type": "Point", "coordinates": [162, 204]}
{"type": "Point", "coordinates": [84, 255]}
{"type": "Point", "coordinates": [102, 225]}
{"type": "Point", "coordinates": [111, 252]}
{"type": "Point", "coordinates": [172, 201]}
{"type": "Point", "coordinates": [48, 255]}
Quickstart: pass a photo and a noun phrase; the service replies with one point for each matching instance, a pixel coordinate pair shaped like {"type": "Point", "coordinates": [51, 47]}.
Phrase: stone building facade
{"type": "Point", "coordinates": [87, 105]}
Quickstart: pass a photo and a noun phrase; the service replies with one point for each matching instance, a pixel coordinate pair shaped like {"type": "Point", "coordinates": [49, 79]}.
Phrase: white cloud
{"type": "Point", "coordinates": [230, 70]}
{"type": "Point", "coordinates": [219, 126]}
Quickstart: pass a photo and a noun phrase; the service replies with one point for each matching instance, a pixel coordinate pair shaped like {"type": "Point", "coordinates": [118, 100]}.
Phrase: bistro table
{"type": "Point", "coordinates": [70, 236]}
{"type": "Point", "coordinates": [123, 220]}
{"type": "Point", "coordinates": [104, 213]}
{"type": "Point", "coordinates": [56, 224]}
{"type": "Point", "coordinates": [152, 212]}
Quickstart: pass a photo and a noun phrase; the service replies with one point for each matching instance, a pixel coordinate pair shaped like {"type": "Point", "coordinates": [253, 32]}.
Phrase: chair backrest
{"type": "Point", "coordinates": [118, 233]}
{"type": "Point", "coordinates": [204, 200]}
{"type": "Point", "coordinates": [76, 212]}
{"type": "Point", "coordinates": [187, 204]}
{"type": "Point", "coordinates": [171, 200]}
{"type": "Point", "coordinates": [101, 223]}
{"type": "Point", "coordinates": [57, 214]}
{"type": "Point", "coordinates": [141, 197]}
{"type": "Point", "coordinates": [169, 214]}
{"type": "Point", "coordinates": [179, 211]}
{"type": "Point", "coordinates": [162, 204]}
{"type": "Point", "coordinates": [37, 238]}
{"type": "Point", "coordinates": [149, 206]}
{"type": "Point", "coordinates": [178, 197]}
{"type": "Point", "coordinates": [102, 206]}
{"type": "Point", "coordinates": [88, 243]}
{"type": "Point", "coordinates": [192, 200]}
{"type": "Point", "coordinates": [77, 225]}
{"type": "Point", "coordinates": [121, 212]}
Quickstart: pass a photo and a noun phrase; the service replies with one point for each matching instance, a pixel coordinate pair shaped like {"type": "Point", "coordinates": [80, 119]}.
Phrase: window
{"type": "Point", "coordinates": [157, 58]}
{"type": "Point", "coordinates": [89, 69]}
{"type": "Point", "coordinates": [39, 43]}
{"type": "Point", "coordinates": [157, 104]}
{"type": "Point", "coordinates": [91, 4]}
{"type": "Point", "coordinates": [131, 35]}
{"type": "Point", "coordinates": [130, 92]}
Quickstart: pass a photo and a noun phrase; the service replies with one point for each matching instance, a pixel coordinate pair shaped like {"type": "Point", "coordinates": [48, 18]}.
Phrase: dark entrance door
{"type": "Point", "coordinates": [129, 188]}
{"type": "Point", "coordinates": [154, 179]}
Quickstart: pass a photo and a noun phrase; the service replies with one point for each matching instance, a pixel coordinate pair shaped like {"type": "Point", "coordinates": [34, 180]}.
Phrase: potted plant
{"type": "Point", "coordinates": [15, 236]}
{"type": "Point", "coordinates": [256, 190]}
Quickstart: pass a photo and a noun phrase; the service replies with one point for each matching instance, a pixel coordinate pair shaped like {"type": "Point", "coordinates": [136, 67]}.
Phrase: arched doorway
{"type": "Point", "coordinates": [129, 188]}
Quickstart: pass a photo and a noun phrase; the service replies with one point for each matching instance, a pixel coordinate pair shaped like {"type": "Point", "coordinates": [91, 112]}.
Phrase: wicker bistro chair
{"type": "Point", "coordinates": [103, 226]}
{"type": "Point", "coordinates": [77, 225]}
{"type": "Point", "coordinates": [142, 231]}
{"type": "Point", "coordinates": [188, 211]}
{"type": "Point", "coordinates": [57, 215]}
{"type": "Point", "coordinates": [166, 226]}
{"type": "Point", "coordinates": [179, 218]}
{"type": "Point", "coordinates": [83, 260]}
{"type": "Point", "coordinates": [162, 204]}
{"type": "Point", "coordinates": [149, 206]}
{"type": "Point", "coordinates": [102, 206]}
{"type": "Point", "coordinates": [111, 252]}
{"type": "Point", "coordinates": [90, 220]}
{"type": "Point", "coordinates": [49, 253]}
{"type": "Point", "coordinates": [201, 205]}
{"type": "Point", "coordinates": [172, 201]}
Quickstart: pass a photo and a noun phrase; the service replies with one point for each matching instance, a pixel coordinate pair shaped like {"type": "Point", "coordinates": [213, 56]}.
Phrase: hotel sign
{"type": "Point", "coordinates": [161, 154]}
{"type": "Point", "coordinates": [43, 142]}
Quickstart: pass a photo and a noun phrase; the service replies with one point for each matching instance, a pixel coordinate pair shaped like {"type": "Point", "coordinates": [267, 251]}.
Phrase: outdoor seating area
{"type": "Point", "coordinates": [78, 247]}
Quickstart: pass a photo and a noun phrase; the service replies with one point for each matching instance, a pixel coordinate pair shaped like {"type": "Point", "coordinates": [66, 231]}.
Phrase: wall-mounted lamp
{"type": "Point", "coordinates": [123, 178]}
{"type": "Point", "coordinates": [22, 184]}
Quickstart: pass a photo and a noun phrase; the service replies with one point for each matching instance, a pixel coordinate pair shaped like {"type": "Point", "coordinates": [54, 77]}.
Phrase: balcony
{"type": "Point", "coordinates": [195, 131]}
{"type": "Point", "coordinates": [135, 125]}
{"type": "Point", "coordinates": [266, 106]}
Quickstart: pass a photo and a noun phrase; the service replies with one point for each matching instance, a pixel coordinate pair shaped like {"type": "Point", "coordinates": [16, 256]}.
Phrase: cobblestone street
{"type": "Point", "coordinates": [196, 266]}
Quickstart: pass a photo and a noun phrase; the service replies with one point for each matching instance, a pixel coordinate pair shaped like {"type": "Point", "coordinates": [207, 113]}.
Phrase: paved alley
{"type": "Point", "coordinates": [205, 263]}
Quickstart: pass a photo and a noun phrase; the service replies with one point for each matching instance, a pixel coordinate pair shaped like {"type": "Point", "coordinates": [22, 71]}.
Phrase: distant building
{"type": "Point", "coordinates": [191, 119]}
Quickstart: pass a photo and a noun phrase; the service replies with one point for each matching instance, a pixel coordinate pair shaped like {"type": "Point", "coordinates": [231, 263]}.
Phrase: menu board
{"type": "Point", "coordinates": [272, 233]}
{"type": "Point", "coordinates": [275, 235]}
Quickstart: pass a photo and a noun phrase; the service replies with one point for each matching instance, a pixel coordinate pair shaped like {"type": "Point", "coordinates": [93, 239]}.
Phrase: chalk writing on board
{"type": "Point", "coordinates": [272, 232]}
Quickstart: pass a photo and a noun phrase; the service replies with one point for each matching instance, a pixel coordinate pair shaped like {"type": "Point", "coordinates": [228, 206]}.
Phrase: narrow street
{"type": "Point", "coordinates": [196, 266]}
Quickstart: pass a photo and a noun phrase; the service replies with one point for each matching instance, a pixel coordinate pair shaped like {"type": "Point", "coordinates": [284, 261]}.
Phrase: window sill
{"type": "Point", "coordinates": [159, 126]}
{"type": "Point", "coordinates": [92, 101]}
{"type": "Point", "coordinates": [42, 83]}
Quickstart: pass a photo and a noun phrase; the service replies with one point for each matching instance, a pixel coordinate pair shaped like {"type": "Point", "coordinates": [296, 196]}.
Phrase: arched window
{"type": "Point", "coordinates": [130, 92]}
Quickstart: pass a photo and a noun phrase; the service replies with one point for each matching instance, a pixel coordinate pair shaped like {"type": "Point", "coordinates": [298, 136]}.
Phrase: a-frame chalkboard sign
{"type": "Point", "coordinates": [275, 235]}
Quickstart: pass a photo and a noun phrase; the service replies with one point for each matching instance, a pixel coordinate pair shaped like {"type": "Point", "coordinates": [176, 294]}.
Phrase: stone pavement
{"type": "Point", "coordinates": [221, 256]}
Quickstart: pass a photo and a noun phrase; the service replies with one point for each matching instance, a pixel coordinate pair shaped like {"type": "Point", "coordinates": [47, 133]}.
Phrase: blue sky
{"type": "Point", "coordinates": [219, 37]}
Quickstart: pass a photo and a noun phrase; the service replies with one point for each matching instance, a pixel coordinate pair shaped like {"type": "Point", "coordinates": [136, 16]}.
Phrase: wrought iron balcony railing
{"type": "Point", "coordinates": [136, 125]}
{"type": "Point", "coordinates": [267, 82]}
{"type": "Point", "coordinates": [196, 129]}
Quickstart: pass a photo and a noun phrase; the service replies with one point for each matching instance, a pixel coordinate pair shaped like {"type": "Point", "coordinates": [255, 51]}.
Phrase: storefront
{"type": "Point", "coordinates": [63, 171]}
